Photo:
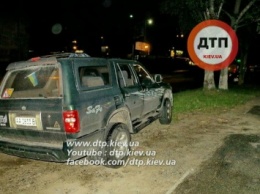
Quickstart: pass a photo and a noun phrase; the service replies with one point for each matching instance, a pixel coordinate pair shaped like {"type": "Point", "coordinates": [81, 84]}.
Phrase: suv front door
{"type": "Point", "coordinates": [151, 90]}
{"type": "Point", "coordinates": [131, 89]}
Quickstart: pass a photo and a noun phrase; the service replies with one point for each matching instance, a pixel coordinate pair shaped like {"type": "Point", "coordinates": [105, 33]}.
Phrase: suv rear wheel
{"type": "Point", "coordinates": [166, 115]}
{"type": "Point", "coordinates": [118, 146]}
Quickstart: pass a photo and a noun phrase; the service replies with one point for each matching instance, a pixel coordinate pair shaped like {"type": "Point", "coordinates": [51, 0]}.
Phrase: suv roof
{"type": "Point", "coordinates": [44, 59]}
{"type": "Point", "coordinates": [66, 55]}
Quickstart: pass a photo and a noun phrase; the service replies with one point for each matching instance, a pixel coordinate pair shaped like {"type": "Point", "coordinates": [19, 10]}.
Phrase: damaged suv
{"type": "Point", "coordinates": [68, 106]}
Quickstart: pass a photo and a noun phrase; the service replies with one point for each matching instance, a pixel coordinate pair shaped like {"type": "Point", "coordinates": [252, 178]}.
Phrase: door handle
{"type": "Point", "coordinates": [127, 95]}
{"type": "Point", "coordinates": [144, 90]}
{"type": "Point", "coordinates": [117, 100]}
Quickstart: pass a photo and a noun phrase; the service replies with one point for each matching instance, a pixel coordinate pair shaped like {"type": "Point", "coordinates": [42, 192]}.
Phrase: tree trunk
{"type": "Point", "coordinates": [209, 82]}
{"type": "Point", "coordinates": [237, 6]}
{"type": "Point", "coordinates": [223, 79]}
{"type": "Point", "coordinates": [242, 69]}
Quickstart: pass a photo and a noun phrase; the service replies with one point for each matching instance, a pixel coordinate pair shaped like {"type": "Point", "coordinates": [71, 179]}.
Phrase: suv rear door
{"type": "Point", "coordinates": [96, 94]}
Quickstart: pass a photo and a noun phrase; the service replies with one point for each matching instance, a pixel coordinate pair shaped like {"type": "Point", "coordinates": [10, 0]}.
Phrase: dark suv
{"type": "Point", "coordinates": [68, 106]}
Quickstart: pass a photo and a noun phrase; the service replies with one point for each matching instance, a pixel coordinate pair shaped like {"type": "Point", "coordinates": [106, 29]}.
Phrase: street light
{"type": "Point", "coordinates": [74, 45]}
{"type": "Point", "coordinates": [139, 44]}
{"type": "Point", "coordinates": [150, 21]}
{"type": "Point", "coordinates": [147, 48]}
{"type": "Point", "coordinates": [147, 22]}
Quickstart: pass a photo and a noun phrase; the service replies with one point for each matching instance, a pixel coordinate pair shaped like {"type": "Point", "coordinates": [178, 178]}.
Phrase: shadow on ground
{"type": "Point", "coordinates": [255, 110]}
{"type": "Point", "coordinates": [234, 168]}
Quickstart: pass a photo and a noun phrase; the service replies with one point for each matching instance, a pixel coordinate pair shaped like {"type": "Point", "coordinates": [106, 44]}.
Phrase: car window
{"type": "Point", "coordinates": [125, 75]}
{"type": "Point", "coordinates": [32, 82]}
{"type": "Point", "coordinates": [94, 76]}
{"type": "Point", "coordinates": [142, 73]}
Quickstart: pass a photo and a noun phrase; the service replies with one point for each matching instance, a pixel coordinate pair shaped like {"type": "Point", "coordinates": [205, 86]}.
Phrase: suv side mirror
{"type": "Point", "coordinates": [158, 78]}
{"type": "Point", "coordinates": [146, 82]}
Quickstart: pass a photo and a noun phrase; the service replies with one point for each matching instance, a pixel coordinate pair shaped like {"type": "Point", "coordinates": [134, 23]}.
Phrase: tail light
{"type": "Point", "coordinates": [71, 121]}
{"type": "Point", "coordinates": [35, 59]}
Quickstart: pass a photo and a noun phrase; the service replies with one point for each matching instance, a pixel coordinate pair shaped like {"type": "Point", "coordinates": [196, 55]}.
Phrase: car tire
{"type": "Point", "coordinates": [117, 150]}
{"type": "Point", "coordinates": [166, 114]}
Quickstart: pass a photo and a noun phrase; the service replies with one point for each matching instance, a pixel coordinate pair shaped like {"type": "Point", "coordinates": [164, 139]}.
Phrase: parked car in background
{"type": "Point", "coordinates": [252, 74]}
{"type": "Point", "coordinates": [233, 73]}
{"type": "Point", "coordinates": [253, 68]}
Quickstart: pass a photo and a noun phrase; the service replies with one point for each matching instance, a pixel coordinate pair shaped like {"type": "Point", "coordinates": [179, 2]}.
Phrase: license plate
{"type": "Point", "coordinates": [25, 121]}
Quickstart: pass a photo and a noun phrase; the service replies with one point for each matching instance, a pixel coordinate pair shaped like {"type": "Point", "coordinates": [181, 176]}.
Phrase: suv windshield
{"type": "Point", "coordinates": [32, 83]}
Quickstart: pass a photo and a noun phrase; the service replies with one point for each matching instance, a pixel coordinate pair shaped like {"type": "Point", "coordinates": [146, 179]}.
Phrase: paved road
{"type": "Point", "coordinates": [181, 80]}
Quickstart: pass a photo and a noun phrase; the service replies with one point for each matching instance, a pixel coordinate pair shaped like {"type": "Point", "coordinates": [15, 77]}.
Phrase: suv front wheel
{"type": "Point", "coordinates": [166, 114]}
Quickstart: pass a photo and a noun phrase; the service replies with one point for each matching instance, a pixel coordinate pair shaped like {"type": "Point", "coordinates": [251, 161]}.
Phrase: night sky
{"type": "Point", "coordinates": [87, 21]}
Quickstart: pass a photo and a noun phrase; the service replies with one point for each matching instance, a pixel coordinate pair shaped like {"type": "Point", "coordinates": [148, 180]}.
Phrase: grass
{"type": "Point", "coordinates": [205, 100]}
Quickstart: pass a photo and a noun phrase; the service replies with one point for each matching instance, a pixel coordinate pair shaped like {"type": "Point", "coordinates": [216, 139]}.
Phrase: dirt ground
{"type": "Point", "coordinates": [191, 150]}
